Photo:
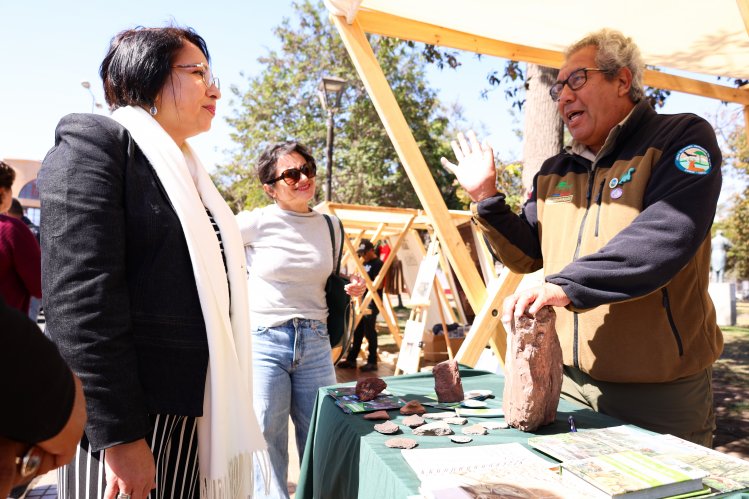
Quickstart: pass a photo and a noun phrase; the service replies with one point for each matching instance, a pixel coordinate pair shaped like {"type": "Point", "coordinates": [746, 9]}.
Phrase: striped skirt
{"type": "Point", "coordinates": [174, 443]}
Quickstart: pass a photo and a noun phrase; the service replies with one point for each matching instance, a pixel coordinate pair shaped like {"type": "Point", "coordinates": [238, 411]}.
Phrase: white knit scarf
{"type": "Point", "coordinates": [229, 435]}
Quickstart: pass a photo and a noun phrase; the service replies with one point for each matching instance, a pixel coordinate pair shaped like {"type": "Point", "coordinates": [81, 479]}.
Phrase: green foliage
{"type": "Point", "coordinates": [736, 225]}
{"type": "Point", "coordinates": [281, 103]}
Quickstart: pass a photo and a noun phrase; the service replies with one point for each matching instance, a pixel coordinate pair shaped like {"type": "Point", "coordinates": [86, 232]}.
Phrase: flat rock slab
{"type": "Point", "coordinates": [377, 415]}
{"type": "Point", "coordinates": [438, 428]}
{"type": "Point", "coordinates": [368, 388]}
{"type": "Point", "coordinates": [447, 382]}
{"type": "Point", "coordinates": [412, 407]}
{"type": "Point", "coordinates": [456, 420]}
{"type": "Point", "coordinates": [401, 443]}
{"type": "Point", "coordinates": [459, 439]}
{"type": "Point", "coordinates": [440, 415]}
{"type": "Point", "coordinates": [413, 421]}
{"type": "Point", "coordinates": [475, 429]}
{"type": "Point", "coordinates": [387, 428]}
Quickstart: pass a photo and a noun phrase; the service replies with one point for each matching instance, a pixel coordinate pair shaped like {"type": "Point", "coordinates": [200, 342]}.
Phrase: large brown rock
{"type": "Point", "coordinates": [533, 371]}
{"type": "Point", "coordinates": [368, 388]}
{"type": "Point", "coordinates": [447, 381]}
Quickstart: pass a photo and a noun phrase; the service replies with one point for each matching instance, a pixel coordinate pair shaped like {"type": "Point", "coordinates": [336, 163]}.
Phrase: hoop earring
{"type": "Point", "coordinates": [153, 110]}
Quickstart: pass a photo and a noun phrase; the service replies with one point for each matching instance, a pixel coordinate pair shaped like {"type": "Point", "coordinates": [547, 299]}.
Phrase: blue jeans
{"type": "Point", "coordinates": [289, 363]}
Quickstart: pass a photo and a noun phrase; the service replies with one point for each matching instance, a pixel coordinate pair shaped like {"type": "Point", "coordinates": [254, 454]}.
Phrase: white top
{"type": "Point", "coordinates": [289, 259]}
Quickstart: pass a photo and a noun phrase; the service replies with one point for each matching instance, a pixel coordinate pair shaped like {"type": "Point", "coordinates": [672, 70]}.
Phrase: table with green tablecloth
{"type": "Point", "coordinates": [346, 458]}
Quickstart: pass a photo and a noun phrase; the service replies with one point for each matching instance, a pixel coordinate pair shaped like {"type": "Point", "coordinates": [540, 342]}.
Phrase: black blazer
{"type": "Point", "coordinates": [120, 297]}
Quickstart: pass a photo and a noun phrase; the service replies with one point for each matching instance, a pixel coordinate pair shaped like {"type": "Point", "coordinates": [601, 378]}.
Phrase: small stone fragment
{"type": "Point", "coordinates": [368, 388]}
{"type": "Point", "coordinates": [494, 425]}
{"type": "Point", "coordinates": [377, 415]}
{"type": "Point", "coordinates": [475, 429]}
{"type": "Point", "coordinates": [447, 382]}
{"type": "Point", "coordinates": [438, 428]}
{"type": "Point", "coordinates": [387, 428]}
{"type": "Point", "coordinates": [412, 407]}
{"type": "Point", "coordinates": [456, 420]}
{"type": "Point", "coordinates": [459, 439]}
{"type": "Point", "coordinates": [440, 415]}
{"type": "Point", "coordinates": [413, 420]}
{"type": "Point", "coordinates": [533, 371]}
{"type": "Point", "coordinates": [401, 443]}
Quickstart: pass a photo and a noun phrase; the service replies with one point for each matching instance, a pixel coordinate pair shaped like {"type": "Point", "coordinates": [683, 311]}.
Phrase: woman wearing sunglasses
{"type": "Point", "coordinates": [145, 283]}
{"type": "Point", "coordinates": [289, 257]}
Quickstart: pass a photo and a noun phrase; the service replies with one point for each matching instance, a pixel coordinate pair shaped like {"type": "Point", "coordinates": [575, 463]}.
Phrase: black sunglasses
{"type": "Point", "coordinates": [292, 175]}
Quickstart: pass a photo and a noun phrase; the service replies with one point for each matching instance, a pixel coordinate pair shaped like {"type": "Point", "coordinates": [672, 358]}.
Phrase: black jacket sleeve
{"type": "Point", "coordinates": [678, 210]}
{"type": "Point", "coordinates": [37, 386]}
{"type": "Point", "coordinates": [512, 237]}
{"type": "Point", "coordinates": [85, 291]}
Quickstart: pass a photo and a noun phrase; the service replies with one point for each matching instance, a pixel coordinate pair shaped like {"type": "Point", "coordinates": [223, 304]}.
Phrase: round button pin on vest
{"type": "Point", "coordinates": [616, 193]}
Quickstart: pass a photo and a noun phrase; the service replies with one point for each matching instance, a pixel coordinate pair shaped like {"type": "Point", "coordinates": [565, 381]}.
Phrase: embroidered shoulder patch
{"type": "Point", "coordinates": [693, 159]}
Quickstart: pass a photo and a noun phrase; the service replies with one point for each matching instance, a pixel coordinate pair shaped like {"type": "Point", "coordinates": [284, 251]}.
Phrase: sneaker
{"type": "Point", "coordinates": [345, 364]}
{"type": "Point", "coordinates": [369, 366]}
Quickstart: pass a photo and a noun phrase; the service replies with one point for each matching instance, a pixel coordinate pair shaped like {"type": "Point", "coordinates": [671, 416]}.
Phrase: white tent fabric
{"type": "Point", "coordinates": [698, 36]}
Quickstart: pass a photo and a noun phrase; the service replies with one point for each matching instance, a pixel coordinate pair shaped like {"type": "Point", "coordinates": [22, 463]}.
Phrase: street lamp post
{"type": "Point", "coordinates": [330, 91]}
{"type": "Point", "coordinates": [94, 104]}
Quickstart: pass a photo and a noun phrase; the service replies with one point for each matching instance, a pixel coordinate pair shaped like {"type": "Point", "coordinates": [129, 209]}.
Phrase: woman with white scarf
{"type": "Point", "coordinates": [145, 283]}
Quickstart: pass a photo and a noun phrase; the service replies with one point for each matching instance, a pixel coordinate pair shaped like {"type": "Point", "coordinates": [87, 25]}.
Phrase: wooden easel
{"type": "Point", "coordinates": [409, 358]}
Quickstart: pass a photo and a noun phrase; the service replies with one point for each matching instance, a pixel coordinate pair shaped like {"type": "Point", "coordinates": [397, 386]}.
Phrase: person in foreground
{"type": "Point", "coordinates": [43, 407]}
{"type": "Point", "coordinates": [289, 255]}
{"type": "Point", "coordinates": [144, 283]}
{"type": "Point", "coordinates": [620, 222]}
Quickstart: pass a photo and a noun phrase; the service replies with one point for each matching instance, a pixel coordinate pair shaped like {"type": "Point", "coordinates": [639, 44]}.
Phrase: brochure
{"type": "Point", "coordinates": [345, 398]}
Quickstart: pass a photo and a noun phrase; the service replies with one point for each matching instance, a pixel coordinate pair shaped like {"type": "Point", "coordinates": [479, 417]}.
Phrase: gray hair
{"type": "Point", "coordinates": [615, 51]}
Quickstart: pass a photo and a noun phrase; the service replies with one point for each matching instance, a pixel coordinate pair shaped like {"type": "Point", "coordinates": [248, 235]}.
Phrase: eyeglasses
{"type": "Point", "coordinates": [205, 74]}
{"type": "Point", "coordinates": [575, 81]}
{"type": "Point", "coordinates": [292, 175]}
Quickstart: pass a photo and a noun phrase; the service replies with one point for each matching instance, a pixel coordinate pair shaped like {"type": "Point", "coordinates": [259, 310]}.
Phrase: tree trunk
{"type": "Point", "coordinates": [543, 129]}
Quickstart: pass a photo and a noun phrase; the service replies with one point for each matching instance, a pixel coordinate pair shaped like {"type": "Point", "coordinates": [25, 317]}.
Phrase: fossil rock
{"type": "Point", "coordinates": [377, 415]}
{"type": "Point", "coordinates": [447, 381]}
{"type": "Point", "coordinates": [474, 429]}
{"type": "Point", "coordinates": [401, 443]}
{"type": "Point", "coordinates": [438, 428]}
{"type": "Point", "coordinates": [456, 420]}
{"type": "Point", "coordinates": [369, 388]}
{"type": "Point", "coordinates": [413, 420]}
{"type": "Point", "coordinates": [412, 407]}
{"type": "Point", "coordinates": [494, 425]}
{"type": "Point", "coordinates": [533, 371]}
{"type": "Point", "coordinates": [459, 439]}
{"type": "Point", "coordinates": [387, 428]}
{"type": "Point", "coordinates": [440, 415]}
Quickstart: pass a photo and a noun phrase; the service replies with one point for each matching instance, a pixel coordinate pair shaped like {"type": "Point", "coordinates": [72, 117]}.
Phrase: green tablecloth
{"type": "Point", "coordinates": [346, 458]}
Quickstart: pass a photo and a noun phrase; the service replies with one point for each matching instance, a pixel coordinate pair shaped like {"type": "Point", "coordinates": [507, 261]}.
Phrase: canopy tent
{"type": "Point", "coordinates": [685, 35]}
{"type": "Point", "coordinates": [397, 227]}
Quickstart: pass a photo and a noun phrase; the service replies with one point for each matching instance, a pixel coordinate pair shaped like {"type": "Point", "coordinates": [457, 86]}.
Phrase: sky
{"type": "Point", "coordinates": [50, 47]}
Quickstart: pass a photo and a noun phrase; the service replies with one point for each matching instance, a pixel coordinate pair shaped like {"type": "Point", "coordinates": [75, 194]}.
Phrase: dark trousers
{"type": "Point", "coordinates": [174, 442]}
{"type": "Point", "coordinates": [366, 328]}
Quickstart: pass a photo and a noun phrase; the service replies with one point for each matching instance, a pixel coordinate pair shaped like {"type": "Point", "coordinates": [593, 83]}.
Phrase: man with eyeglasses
{"type": "Point", "coordinates": [620, 222]}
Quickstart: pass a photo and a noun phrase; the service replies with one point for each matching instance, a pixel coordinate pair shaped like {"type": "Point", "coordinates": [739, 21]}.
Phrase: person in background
{"type": "Point", "coordinates": [145, 289]}
{"type": "Point", "coordinates": [7, 177]}
{"type": "Point", "coordinates": [43, 406]}
{"type": "Point", "coordinates": [16, 211]}
{"type": "Point", "coordinates": [620, 222]}
{"type": "Point", "coordinates": [289, 257]}
{"type": "Point", "coordinates": [366, 327]}
{"type": "Point", "coordinates": [20, 258]}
